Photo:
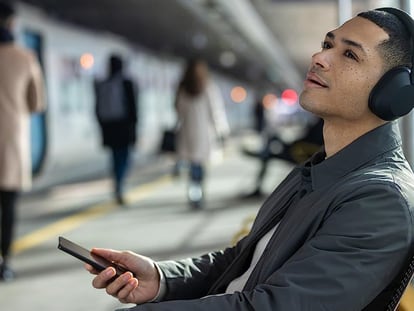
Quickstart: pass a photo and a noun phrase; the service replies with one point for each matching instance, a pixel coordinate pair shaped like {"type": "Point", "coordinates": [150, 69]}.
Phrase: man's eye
{"type": "Point", "coordinates": [325, 45]}
{"type": "Point", "coordinates": [350, 54]}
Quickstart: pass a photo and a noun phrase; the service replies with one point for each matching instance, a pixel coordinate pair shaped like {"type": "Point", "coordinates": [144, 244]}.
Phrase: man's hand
{"type": "Point", "coordinates": [140, 284]}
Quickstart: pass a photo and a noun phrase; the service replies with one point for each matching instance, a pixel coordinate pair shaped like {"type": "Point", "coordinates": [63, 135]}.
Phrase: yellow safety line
{"type": "Point", "coordinates": [407, 300]}
{"type": "Point", "coordinates": [69, 223]}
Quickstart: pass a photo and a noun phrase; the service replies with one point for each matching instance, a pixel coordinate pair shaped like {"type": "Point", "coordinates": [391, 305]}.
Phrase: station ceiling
{"type": "Point", "coordinates": [267, 42]}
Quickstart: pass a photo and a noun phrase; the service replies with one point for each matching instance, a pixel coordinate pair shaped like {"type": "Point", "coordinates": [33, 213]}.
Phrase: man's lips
{"type": "Point", "coordinates": [314, 79]}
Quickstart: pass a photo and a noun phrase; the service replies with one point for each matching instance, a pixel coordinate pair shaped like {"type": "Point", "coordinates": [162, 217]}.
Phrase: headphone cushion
{"type": "Point", "coordinates": [393, 95]}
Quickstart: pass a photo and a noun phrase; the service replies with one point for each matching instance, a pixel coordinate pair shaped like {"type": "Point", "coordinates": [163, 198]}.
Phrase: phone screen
{"type": "Point", "coordinates": [85, 255]}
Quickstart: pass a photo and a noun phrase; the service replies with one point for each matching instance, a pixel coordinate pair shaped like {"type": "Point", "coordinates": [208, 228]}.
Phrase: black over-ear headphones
{"type": "Point", "coordinates": [393, 95]}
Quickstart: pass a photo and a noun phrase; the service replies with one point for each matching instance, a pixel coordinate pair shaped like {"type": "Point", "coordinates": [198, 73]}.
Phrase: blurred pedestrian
{"type": "Point", "coordinates": [202, 123]}
{"type": "Point", "coordinates": [259, 116]}
{"type": "Point", "coordinates": [117, 114]}
{"type": "Point", "coordinates": [21, 93]}
{"type": "Point", "coordinates": [294, 152]}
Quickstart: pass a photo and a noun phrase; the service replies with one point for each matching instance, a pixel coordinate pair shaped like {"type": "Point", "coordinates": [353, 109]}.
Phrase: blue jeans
{"type": "Point", "coordinates": [196, 172]}
{"type": "Point", "coordinates": [195, 189]}
{"type": "Point", "coordinates": [120, 163]}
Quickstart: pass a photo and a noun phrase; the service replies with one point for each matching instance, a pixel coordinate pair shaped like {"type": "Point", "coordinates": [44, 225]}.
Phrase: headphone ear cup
{"type": "Point", "coordinates": [393, 95]}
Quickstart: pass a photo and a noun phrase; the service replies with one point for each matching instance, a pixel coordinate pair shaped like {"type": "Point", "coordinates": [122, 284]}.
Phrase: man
{"type": "Point", "coordinates": [337, 231]}
{"type": "Point", "coordinates": [117, 114]}
{"type": "Point", "coordinates": [21, 93]}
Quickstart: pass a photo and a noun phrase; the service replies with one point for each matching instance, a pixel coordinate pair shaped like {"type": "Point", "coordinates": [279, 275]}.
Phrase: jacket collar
{"type": "Point", "coordinates": [364, 149]}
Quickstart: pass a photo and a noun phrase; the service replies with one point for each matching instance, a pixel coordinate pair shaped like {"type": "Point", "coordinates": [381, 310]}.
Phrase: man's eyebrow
{"type": "Point", "coordinates": [331, 36]}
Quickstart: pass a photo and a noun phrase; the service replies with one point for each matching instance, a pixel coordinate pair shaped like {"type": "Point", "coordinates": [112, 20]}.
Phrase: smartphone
{"type": "Point", "coordinates": [98, 262]}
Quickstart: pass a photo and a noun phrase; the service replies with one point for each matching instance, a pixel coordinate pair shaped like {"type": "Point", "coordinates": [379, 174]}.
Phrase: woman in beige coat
{"type": "Point", "coordinates": [21, 93]}
{"type": "Point", "coordinates": [201, 119]}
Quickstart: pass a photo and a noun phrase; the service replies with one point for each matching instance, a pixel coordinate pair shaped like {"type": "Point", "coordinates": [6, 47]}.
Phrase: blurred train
{"type": "Point", "coordinates": [65, 139]}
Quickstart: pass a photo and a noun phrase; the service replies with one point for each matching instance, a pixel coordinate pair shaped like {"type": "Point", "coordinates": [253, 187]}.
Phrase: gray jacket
{"type": "Point", "coordinates": [346, 227]}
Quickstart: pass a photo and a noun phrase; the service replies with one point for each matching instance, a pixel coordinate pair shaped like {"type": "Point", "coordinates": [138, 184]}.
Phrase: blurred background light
{"type": "Point", "coordinates": [238, 94]}
{"type": "Point", "coordinates": [86, 61]}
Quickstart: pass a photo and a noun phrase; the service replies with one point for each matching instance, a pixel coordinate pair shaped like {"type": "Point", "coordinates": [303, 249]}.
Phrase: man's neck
{"type": "Point", "coordinates": [338, 135]}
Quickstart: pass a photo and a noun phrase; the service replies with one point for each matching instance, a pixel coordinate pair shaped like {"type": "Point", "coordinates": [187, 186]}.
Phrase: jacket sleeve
{"type": "Point", "coordinates": [344, 266]}
{"type": "Point", "coordinates": [35, 91]}
{"type": "Point", "coordinates": [193, 277]}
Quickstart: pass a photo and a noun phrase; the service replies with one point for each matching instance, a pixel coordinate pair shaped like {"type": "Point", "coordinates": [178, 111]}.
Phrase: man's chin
{"type": "Point", "coordinates": [304, 101]}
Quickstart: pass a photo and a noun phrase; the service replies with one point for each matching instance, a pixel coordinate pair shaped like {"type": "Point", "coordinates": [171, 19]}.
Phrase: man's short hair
{"type": "Point", "coordinates": [115, 64]}
{"type": "Point", "coordinates": [6, 12]}
{"type": "Point", "coordinates": [397, 50]}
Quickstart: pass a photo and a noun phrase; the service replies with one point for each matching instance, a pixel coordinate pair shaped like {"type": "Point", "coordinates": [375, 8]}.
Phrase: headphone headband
{"type": "Point", "coordinates": [408, 22]}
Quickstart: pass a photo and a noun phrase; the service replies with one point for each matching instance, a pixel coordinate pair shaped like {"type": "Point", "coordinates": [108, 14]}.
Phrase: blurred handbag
{"type": "Point", "coordinates": [168, 143]}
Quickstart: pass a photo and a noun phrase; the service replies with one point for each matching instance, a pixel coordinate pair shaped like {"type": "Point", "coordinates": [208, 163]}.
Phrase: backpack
{"type": "Point", "coordinates": [110, 99]}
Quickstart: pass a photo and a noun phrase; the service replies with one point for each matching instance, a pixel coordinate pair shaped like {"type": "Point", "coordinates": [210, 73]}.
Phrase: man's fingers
{"type": "Point", "coordinates": [101, 280]}
{"type": "Point", "coordinates": [124, 259]}
{"type": "Point", "coordinates": [125, 292]}
{"type": "Point", "coordinates": [91, 269]}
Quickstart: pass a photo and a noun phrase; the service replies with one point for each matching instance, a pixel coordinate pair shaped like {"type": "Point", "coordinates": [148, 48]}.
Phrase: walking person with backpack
{"type": "Point", "coordinates": [116, 112]}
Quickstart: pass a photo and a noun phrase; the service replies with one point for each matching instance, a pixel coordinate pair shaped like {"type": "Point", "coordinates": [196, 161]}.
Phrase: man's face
{"type": "Point", "coordinates": [344, 72]}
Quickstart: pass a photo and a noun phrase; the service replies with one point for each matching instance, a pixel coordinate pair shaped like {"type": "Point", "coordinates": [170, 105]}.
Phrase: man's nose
{"type": "Point", "coordinates": [321, 59]}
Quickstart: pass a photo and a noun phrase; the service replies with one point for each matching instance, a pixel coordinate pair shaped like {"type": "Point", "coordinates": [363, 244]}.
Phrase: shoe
{"type": "Point", "coordinates": [6, 274]}
{"type": "Point", "coordinates": [120, 200]}
{"type": "Point", "coordinates": [195, 195]}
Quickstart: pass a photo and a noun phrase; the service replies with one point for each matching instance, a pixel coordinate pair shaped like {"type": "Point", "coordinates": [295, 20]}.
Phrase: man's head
{"type": "Point", "coordinates": [352, 60]}
{"type": "Point", "coordinates": [115, 64]}
{"type": "Point", "coordinates": [393, 95]}
{"type": "Point", "coordinates": [6, 14]}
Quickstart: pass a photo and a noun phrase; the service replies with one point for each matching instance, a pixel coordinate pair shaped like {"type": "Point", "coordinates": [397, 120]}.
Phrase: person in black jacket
{"type": "Point", "coordinates": [116, 112]}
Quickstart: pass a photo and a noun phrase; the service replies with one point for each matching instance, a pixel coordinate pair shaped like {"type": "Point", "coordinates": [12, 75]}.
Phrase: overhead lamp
{"type": "Point", "coordinates": [86, 61]}
{"type": "Point", "coordinates": [238, 94]}
{"type": "Point", "coordinates": [269, 101]}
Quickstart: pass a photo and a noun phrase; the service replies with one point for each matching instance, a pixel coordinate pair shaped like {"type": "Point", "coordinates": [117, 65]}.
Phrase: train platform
{"type": "Point", "coordinates": [156, 222]}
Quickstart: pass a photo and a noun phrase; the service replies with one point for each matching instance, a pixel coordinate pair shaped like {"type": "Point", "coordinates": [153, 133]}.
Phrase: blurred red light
{"type": "Point", "coordinates": [289, 97]}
